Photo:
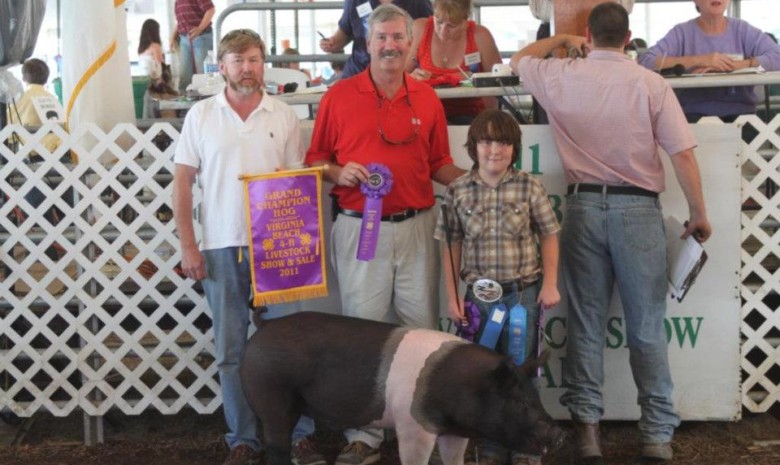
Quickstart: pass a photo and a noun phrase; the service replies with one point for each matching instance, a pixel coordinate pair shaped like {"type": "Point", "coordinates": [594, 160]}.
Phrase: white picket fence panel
{"type": "Point", "coordinates": [760, 265]}
{"type": "Point", "coordinates": [108, 324]}
{"type": "Point", "coordinates": [93, 315]}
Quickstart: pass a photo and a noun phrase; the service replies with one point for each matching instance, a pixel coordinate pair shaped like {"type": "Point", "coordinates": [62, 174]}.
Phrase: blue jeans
{"type": "Point", "coordinates": [200, 46]}
{"type": "Point", "coordinates": [608, 239]}
{"type": "Point", "coordinates": [228, 288]}
{"type": "Point", "coordinates": [490, 448]}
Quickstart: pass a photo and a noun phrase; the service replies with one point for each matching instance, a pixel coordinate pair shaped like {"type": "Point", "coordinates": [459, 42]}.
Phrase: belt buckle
{"type": "Point", "coordinates": [399, 216]}
{"type": "Point", "coordinates": [487, 290]}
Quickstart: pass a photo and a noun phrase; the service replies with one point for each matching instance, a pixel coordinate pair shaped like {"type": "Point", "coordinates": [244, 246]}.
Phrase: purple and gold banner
{"type": "Point", "coordinates": [286, 247]}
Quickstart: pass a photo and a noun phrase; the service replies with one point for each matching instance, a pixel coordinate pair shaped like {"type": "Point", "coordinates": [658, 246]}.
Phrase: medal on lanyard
{"type": "Point", "coordinates": [380, 181]}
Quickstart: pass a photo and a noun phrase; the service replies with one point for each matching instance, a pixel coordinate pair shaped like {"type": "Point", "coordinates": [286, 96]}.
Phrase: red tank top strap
{"type": "Point", "coordinates": [471, 44]}
{"type": "Point", "coordinates": [424, 57]}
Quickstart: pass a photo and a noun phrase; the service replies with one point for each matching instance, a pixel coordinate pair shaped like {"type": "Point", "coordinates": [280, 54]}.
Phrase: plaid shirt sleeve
{"type": "Point", "coordinates": [452, 218]}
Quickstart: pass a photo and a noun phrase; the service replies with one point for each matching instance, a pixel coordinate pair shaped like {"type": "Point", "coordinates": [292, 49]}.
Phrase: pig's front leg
{"type": "Point", "coordinates": [451, 449]}
{"type": "Point", "coordinates": [414, 444]}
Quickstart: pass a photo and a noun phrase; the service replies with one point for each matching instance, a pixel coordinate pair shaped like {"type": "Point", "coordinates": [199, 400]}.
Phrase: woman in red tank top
{"type": "Point", "coordinates": [447, 45]}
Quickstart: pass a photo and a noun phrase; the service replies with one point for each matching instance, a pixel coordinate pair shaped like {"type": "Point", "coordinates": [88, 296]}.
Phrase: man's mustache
{"type": "Point", "coordinates": [390, 54]}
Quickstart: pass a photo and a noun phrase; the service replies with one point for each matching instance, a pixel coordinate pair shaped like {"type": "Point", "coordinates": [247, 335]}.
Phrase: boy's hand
{"type": "Point", "coordinates": [549, 296]}
{"type": "Point", "coordinates": [455, 311]}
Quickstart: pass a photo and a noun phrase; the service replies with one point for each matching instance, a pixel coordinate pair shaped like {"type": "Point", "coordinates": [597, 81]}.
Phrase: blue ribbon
{"type": "Point", "coordinates": [493, 326]}
{"type": "Point", "coordinates": [518, 333]}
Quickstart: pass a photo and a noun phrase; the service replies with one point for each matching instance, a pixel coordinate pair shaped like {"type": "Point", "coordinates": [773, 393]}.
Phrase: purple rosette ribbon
{"type": "Point", "coordinates": [380, 181]}
{"type": "Point", "coordinates": [468, 329]}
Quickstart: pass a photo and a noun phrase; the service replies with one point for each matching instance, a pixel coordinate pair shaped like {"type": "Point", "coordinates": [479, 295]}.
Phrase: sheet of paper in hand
{"type": "Point", "coordinates": [685, 257]}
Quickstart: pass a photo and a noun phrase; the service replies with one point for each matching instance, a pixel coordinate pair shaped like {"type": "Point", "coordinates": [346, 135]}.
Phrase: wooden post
{"type": "Point", "coordinates": [571, 16]}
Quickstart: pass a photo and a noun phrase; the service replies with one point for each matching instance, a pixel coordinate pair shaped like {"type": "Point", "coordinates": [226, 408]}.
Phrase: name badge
{"type": "Point", "coordinates": [472, 59]}
{"type": "Point", "coordinates": [364, 9]}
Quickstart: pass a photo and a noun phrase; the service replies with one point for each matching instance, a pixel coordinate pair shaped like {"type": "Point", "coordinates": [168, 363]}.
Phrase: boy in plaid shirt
{"type": "Point", "coordinates": [495, 214]}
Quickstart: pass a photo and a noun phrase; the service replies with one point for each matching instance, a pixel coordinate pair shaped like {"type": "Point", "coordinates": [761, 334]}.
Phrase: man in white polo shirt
{"type": "Point", "coordinates": [238, 131]}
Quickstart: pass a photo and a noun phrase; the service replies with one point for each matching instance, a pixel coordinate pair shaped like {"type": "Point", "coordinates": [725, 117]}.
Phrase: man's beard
{"type": "Point", "coordinates": [244, 89]}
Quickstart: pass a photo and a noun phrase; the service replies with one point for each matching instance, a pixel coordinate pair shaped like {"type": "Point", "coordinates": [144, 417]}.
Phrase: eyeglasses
{"type": "Point", "coordinates": [383, 116]}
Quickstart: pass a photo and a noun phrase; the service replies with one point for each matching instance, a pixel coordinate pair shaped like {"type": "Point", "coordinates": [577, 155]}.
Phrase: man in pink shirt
{"type": "Point", "coordinates": [609, 117]}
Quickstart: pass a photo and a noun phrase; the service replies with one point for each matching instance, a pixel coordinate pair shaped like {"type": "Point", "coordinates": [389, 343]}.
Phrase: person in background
{"type": "Point", "coordinates": [192, 37]}
{"type": "Point", "coordinates": [35, 74]}
{"type": "Point", "coordinates": [543, 11]}
{"type": "Point", "coordinates": [450, 44]}
{"type": "Point", "coordinates": [293, 64]}
{"type": "Point", "coordinates": [772, 89]}
{"type": "Point", "coordinates": [501, 247]}
{"type": "Point", "coordinates": [613, 233]}
{"type": "Point", "coordinates": [353, 27]}
{"type": "Point", "coordinates": [240, 130]}
{"type": "Point", "coordinates": [338, 71]}
{"type": "Point", "coordinates": [152, 62]}
{"type": "Point", "coordinates": [150, 52]}
{"type": "Point", "coordinates": [382, 116]}
{"type": "Point", "coordinates": [713, 42]}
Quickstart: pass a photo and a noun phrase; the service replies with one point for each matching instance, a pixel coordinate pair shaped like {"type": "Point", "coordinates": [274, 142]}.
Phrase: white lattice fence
{"type": "Point", "coordinates": [92, 313]}
{"type": "Point", "coordinates": [94, 316]}
{"type": "Point", "coordinates": [760, 263]}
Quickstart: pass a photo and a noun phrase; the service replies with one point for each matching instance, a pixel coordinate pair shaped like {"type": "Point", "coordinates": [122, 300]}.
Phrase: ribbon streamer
{"type": "Point", "coordinates": [380, 181]}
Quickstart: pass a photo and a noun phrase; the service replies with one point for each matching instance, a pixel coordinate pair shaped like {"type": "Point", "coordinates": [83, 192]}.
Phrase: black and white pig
{"type": "Point", "coordinates": [431, 386]}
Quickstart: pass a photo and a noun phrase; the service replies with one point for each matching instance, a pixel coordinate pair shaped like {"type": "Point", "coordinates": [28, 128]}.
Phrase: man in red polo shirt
{"type": "Point", "coordinates": [383, 116]}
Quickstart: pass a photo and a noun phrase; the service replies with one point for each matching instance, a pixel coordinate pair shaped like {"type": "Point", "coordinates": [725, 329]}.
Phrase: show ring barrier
{"type": "Point", "coordinates": [93, 315]}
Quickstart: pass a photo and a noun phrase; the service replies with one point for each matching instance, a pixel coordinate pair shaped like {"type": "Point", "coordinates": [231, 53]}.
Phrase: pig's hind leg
{"type": "Point", "coordinates": [451, 449]}
{"type": "Point", "coordinates": [278, 415]}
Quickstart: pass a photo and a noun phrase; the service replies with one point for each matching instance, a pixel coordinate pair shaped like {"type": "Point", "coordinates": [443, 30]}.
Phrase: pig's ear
{"type": "Point", "coordinates": [505, 373]}
{"type": "Point", "coordinates": [530, 365]}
